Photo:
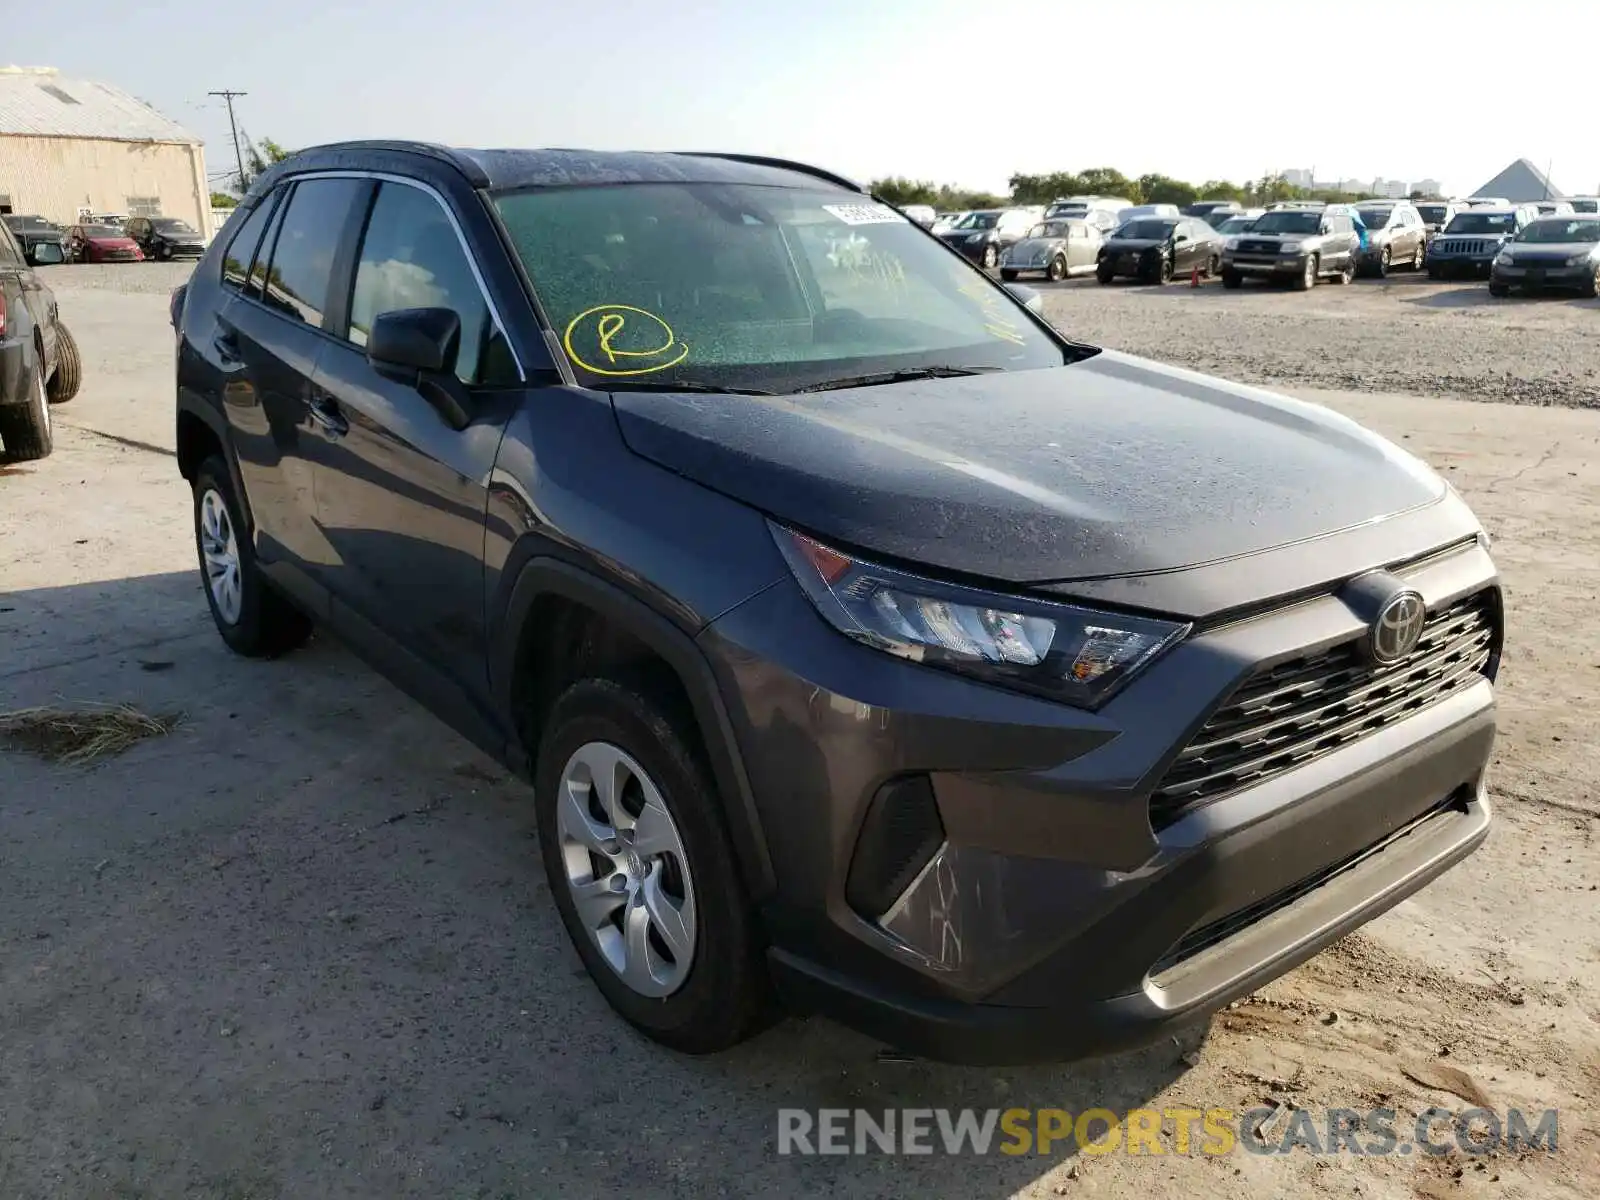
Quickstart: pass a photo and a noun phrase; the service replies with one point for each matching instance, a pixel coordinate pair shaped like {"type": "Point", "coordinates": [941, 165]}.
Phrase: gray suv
{"type": "Point", "coordinates": [840, 684]}
{"type": "Point", "coordinates": [1294, 245]}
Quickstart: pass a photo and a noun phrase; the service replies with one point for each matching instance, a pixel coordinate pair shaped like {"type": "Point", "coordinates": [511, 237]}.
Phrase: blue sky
{"type": "Point", "coordinates": [963, 92]}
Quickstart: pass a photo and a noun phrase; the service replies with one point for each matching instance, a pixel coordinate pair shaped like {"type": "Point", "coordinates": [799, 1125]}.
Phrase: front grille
{"type": "Point", "coordinates": [1259, 247]}
{"type": "Point", "coordinates": [1460, 246]}
{"type": "Point", "coordinates": [1286, 715]}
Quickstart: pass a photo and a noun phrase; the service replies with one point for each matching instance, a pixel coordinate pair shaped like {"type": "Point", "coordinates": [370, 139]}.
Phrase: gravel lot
{"type": "Point", "coordinates": [303, 947]}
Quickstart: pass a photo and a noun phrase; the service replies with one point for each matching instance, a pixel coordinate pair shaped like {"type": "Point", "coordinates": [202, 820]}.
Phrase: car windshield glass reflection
{"type": "Point", "coordinates": [755, 288]}
{"type": "Point", "coordinates": [1288, 222]}
{"type": "Point", "coordinates": [1561, 231]}
{"type": "Point", "coordinates": [1375, 218]}
{"type": "Point", "coordinates": [1146, 229]}
{"type": "Point", "coordinates": [1483, 222]}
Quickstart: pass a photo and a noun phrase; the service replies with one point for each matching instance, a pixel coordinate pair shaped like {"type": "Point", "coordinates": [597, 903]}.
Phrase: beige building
{"type": "Point", "coordinates": [69, 147]}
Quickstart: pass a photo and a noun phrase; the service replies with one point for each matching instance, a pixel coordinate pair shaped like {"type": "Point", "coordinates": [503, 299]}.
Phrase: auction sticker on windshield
{"type": "Point", "coordinates": [864, 214]}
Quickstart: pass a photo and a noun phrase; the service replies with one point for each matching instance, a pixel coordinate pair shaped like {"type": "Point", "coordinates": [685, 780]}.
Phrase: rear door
{"type": "Point", "coordinates": [402, 497]}
{"type": "Point", "coordinates": [269, 337]}
{"type": "Point", "coordinates": [19, 285]}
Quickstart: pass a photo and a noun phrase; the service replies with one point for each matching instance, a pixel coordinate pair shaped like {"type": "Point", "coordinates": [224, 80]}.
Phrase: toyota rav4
{"type": "Point", "coordinates": [870, 646]}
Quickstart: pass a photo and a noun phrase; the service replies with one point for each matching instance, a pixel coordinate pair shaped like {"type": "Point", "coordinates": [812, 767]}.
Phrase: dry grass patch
{"type": "Point", "coordinates": [83, 735]}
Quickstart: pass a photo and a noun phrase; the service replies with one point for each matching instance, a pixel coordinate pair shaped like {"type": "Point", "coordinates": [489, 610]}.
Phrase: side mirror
{"type": "Point", "coordinates": [47, 254]}
{"type": "Point", "coordinates": [1182, 237]}
{"type": "Point", "coordinates": [418, 346]}
{"type": "Point", "coordinates": [1030, 298]}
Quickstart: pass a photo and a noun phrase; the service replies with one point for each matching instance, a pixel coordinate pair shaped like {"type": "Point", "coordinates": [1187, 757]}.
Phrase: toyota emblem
{"type": "Point", "coordinates": [1398, 627]}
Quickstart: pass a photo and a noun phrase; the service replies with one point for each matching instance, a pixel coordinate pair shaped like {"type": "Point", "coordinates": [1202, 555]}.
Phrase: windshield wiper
{"type": "Point", "coordinates": [640, 385]}
{"type": "Point", "coordinates": [904, 376]}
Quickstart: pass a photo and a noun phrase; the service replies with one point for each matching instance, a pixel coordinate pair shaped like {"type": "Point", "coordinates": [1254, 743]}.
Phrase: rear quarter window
{"type": "Point", "coordinates": [242, 246]}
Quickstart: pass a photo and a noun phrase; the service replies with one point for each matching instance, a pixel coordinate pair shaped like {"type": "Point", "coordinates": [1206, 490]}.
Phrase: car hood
{"type": "Point", "coordinates": [1107, 467]}
{"type": "Point", "coordinates": [174, 236]}
{"type": "Point", "coordinates": [112, 243]}
{"type": "Point", "coordinates": [1028, 247]}
{"type": "Point", "coordinates": [1133, 245]}
{"type": "Point", "coordinates": [1550, 249]}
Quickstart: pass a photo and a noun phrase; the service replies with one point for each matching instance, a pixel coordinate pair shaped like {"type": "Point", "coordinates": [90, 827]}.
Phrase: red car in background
{"type": "Point", "coordinates": [102, 243]}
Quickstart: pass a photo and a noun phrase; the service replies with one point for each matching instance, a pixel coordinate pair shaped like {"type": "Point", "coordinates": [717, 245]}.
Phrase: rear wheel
{"type": "Point", "coordinates": [1057, 270]}
{"type": "Point", "coordinates": [1307, 279]}
{"type": "Point", "coordinates": [990, 257]}
{"type": "Point", "coordinates": [1385, 258]}
{"type": "Point", "coordinates": [1348, 274]}
{"type": "Point", "coordinates": [641, 869]}
{"type": "Point", "coordinates": [1419, 256]}
{"type": "Point", "coordinates": [1164, 271]}
{"type": "Point", "coordinates": [1213, 265]}
{"type": "Point", "coordinates": [25, 428]}
{"type": "Point", "coordinates": [68, 378]}
{"type": "Point", "coordinates": [253, 619]}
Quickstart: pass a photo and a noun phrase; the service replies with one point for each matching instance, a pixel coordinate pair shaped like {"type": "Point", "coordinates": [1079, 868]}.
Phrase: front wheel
{"type": "Point", "coordinates": [25, 428]}
{"type": "Point", "coordinates": [1308, 278]}
{"type": "Point", "coordinates": [1213, 266]}
{"type": "Point", "coordinates": [1385, 258]}
{"type": "Point", "coordinates": [254, 620]}
{"type": "Point", "coordinates": [1348, 274]}
{"type": "Point", "coordinates": [1164, 271]}
{"type": "Point", "coordinates": [1499, 291]}
{"type": "Point", "coordinates": [1591, 286]}
{"type": "Point", "coordinates": [1435, 273]}
{"type": "Point", "coordinates": [68, 378]}
{"type": "Point", "coordinates": [1232, 279]}
{"type": "Point", "coordinates": [1419, 256]}
{"type": "Point", "coordinates": [1057, 271]}
{"type": "Point", "coordinates": [1104, 275]}
{"type": "Point", "coordinates": [641, 867]}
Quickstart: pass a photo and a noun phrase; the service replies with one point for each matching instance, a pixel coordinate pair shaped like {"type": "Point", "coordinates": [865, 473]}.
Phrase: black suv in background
{"type": "Point", "coordinates": [834, 675]}
{"type": "Point", "coordinates": [165, 237]}
{"type": "Point", "coordinates": [39, 363]}
{"type": "Point", "coordinates": [33, 232]}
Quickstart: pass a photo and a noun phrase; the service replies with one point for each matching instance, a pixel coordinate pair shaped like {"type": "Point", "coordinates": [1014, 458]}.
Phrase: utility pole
{"type": "Point", "coordinates": [238, 155]}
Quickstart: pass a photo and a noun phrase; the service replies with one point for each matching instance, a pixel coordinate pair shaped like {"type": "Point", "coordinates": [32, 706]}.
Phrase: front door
{"type": "Point", "coordinates": [402, 498]}
{"type": "Point", "coordinates": [18, 280]}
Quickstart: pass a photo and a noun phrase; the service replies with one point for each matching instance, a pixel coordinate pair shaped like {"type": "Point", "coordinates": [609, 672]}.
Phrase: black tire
{"type": "Point", "coordinates": [163, 252]}
{"type": "Point", "coordinates": [1164, 271]}
{"type": "Point", "coordinates": [1419, 256]}
{"type": "Point", "coordinates": [1385, 261]}
{"type": "Point", "coordinates": [1591, 286]}
{"type": "Point", "coordinates": [1104, 276]}
{"type": "Point", "coordinates": [1307, 279]}
{"type": "Point", "coordinates": [268, 624]}
{"type": "Point", "coordinates": [727, 996]}
{"type": "Point", "coordinates": [1213, 266]}
{"type": "Point", "coordinates": [1232, 279]}
{"type": "Point", "coordinates": [1008, 275]}
{"type": "Point", "coordinates": [64, 384]}
{"type": "Point", "coordinates": [990, 257]}
{"type": "Point", "coordinates": [25, 428]}
{"type": "Point", "coordinates": [1435, 273]}
{"type": "Point", "coordinates": [1499, 291]}
{"type": "Point", "coordinates": [1057, 270]}
{"type": "Point", "coordinates": [1347, 275]}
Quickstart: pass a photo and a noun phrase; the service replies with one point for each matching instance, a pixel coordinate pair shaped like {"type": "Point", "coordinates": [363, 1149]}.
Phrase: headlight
{"type": "Point", "coordinates": [1503, 259]}
{"type": "Point", "coordinates": [1289, 247]}
{"type": "Point", "coordinates": [1577, 260]}
{"type": "Point", "coordinates": [1233, 244]}
{"type": "Point", "coordinates": [1068, 653]}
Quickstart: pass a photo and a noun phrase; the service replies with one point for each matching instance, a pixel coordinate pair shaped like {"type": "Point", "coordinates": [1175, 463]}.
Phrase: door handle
{"type": "Point", "coordinates": [227, 348]}
{"type": "Point", "coordinates": [324, 410]}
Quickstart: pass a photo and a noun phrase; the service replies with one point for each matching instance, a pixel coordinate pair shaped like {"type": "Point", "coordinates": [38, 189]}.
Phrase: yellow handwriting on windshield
{"type": "Point", "coordinates": [622, 340]}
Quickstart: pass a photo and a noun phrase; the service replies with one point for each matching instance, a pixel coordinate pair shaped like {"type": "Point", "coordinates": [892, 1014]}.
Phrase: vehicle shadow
{"type": "Point", "coordinates": [303, 945]}
{"type": "Point", "coordinates": [1477, 296]}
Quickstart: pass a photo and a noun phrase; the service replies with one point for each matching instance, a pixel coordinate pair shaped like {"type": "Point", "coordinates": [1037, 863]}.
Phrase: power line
{"type": "Point", "coordinates": [238, 156]}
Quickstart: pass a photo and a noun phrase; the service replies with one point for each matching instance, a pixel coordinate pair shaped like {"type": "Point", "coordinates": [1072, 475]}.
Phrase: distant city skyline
{"type": "Point", "coordinates": [1397, 189]}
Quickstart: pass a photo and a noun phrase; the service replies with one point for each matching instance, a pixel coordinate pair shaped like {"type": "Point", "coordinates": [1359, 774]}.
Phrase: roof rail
{"type": "Point", "coordinates": [445, 154]}
{"type": "Point", "coordinates": [761, 160]}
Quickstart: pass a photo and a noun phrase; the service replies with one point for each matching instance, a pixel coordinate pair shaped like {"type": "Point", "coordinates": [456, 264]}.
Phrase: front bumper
{"type": "Point", "coordinates": [1284, 266]}
{"type": "Point", "coordinates": [1053, 921]}
{"type": "Point", "coordinates": [1562, 276]}
{"type": "Point", "coordinates": [972, 251]}
{"type": "Point", "coordinates": [1460, 266]}
{"type": "Point", "coordinates": [179, 250]}
{"type": "Point", "coordinates": [1134, 266]}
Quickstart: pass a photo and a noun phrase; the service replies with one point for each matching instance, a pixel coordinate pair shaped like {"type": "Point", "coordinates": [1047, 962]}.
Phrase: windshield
{"type": "Point", "coordinates": [1375, 218]}
{"type": "Point", "coordinates": [21, 223]}
{"type": "Point", "coordinates": [1236, 225]}
{"type": "Point", "coordinates": [1432, 214]}
{"type": "Point", "coordinates": [1586, 206]}
{"type": "Point", "coordinates": [173, 225]}
{"type": "Point", "coordinates": [977, 220]}
{"type": "Point", "coordinates": [1561, 229]}
{"type": "Point", "coordinates": [1287, 221]}
{"type": "Point", "coordinates": [1483, 222]}
{"type": "Point", "coordinates": [1049, 229]}
{"type": "Point", "coordinates": [102, 231]}
{"type": "Point", "coordinates": [738, 286]}
{"type": "Point", "coordinates": [1067, 210]}
{"type": "Point", "coordinates": [1152, 229]}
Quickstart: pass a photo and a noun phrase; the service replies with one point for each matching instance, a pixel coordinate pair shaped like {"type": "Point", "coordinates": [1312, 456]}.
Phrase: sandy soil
{"type": "Point", "coordinates": [303, 947]}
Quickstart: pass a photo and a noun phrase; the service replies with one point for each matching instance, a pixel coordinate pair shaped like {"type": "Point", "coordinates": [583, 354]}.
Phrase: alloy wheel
{"type": "Point", "coordinates": [626, 869]}
{"type": "Point", "coordinates": [220, 547]}
{"type": "Point", "coordinates": [1311, 271]}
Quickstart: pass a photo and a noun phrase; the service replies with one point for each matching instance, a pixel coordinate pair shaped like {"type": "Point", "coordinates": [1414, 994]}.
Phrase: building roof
{"type": "Point", "coordinates": [1521, 183]}
{"type": "Point", "coordinates": [40, 102]}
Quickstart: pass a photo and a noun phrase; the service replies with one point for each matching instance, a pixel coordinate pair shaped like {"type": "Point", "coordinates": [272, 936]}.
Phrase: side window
{"type": "Point", "coordinates": [10, 255]}
{"type": "Point", "coordinates": [411, 258]}
{"type": "Point", "coordinates": [242, 249]}
{"type": "Point", "coordinates": [314, 220]}
{"type": "Point", "coordinates": [256, 288]}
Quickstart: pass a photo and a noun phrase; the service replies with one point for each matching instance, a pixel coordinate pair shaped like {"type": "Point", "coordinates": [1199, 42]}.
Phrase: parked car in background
{"type": "Point", "coordinates": [34, 231]}
{"type": "Point", "coordinates": [1081, 206]}
{"type": "Point", "coordinates": [1218, 217]}
{"type": "Point", "coordinates": [1436, 214]}
{"type": "Point", "coordinates": [1234, 225]}
{"type": "Point", "coordinates": [831, 682]}
{"type": "Point", "coordinates": [922, 214]}
{"type": "Point", "coordinates": [1207, 209]}
{"type": "Point", "coordinates": [165, 237]}
{"type": "Point", "coordinates": [1488, 202]}
{"type": "Point", "coordinates": [983, 234]}
{"type": "Point", "coordinates": [1396, 234]}
{"type": "Point", "coordinates": [1473, 239]}
{"type": "Point", "coordinates": [39, 362]}
{"type": "Point", "coordinates": [113, 219]}
{"type": "Point", "coordinates": [1584, 204]}
{"type": "Point", "coordinates": [1055, 249]}
{"type": "Point", "coordinates": [1156, 249]}
{"type": "Point", "coordinates": [1294, 245]}
{"type": "Point", "coordinates": [944, 220]}
{"type": "Point", "coordinates": [1553, 208]}
{"type": "Point", "coordinates": [102, 243]}
{"type": "Point", "coordinates": [1136, 211]}
{"type": "Point", "coordinates": [1551, 252]}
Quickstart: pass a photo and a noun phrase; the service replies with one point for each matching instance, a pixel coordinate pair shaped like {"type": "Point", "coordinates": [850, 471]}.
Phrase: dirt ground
{"type": "Point", "coordinates": [302, 947]}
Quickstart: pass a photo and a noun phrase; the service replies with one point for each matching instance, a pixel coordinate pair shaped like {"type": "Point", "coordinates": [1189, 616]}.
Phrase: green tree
{"type": "Point", "coordinates": [1108, 181]}
{"type": "Point", "coordinates": [1041, 189]}
{"type": "Point", "coordinates": [258, 156]}
{"type": "Point", "coordinates": [223, 200]}
{"type": "Point", "coordinates": [901, 192]}
{"type": "Point", "coordinates": [1221, 189]}
{"type": "Point", "coordinates": [1163, 189]}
